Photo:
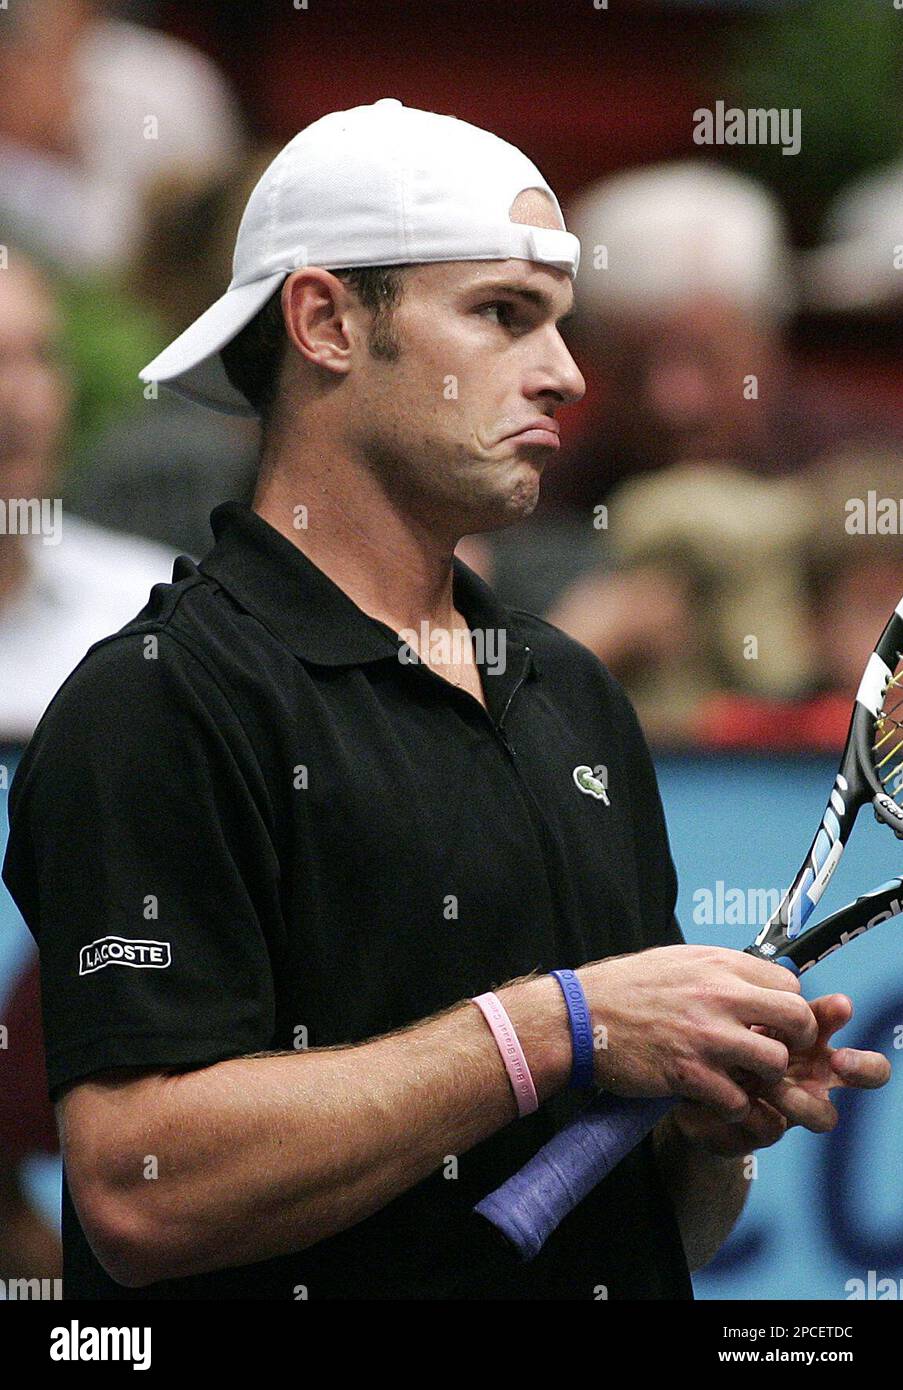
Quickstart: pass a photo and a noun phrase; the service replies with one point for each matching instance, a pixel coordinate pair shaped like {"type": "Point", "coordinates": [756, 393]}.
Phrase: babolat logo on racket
{"type": "Point", "coordinates": [121, 950]}
{"type": "Point", "coordinates": [593, 781]}
{"type": "Point", "coordinates": [895, 907]}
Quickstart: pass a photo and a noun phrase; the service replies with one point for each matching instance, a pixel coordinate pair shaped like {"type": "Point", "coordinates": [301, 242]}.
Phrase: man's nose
{"type": "Point", "coordinates": [564, 377]}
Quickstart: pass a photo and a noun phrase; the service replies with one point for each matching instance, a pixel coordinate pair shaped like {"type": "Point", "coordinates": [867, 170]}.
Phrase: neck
{"type": "Point", "coordinates": [391, 565]}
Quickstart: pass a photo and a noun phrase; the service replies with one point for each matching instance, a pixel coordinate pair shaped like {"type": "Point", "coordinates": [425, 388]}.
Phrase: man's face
{"type": "Point", "coordinates": [676, 381]}
{"type": "Point", "coordinates": [34, 397]}
{"type": "Point", "coordinates": [481, 357]}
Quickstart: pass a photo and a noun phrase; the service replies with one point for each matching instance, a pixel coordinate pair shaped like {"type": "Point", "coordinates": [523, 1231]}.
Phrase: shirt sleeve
{"type": "Point", "coordinates": [141, 856]}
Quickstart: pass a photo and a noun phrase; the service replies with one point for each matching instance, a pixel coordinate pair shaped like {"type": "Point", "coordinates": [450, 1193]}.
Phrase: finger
{"type": "Point", "coordinates": [763, 1126]}
{"type": "Point", "coordinates": [766, 975]}
{"type": "Point", "coordinates": [765, 1059]}
{"type": "Point", "coordinates": [800, 1107]}
{"type": "Point", "coordinates": [864, 1070]}
{"type": "Point", "coordinates": [715, 1090]}
{"type": "Point", "coordinates": [832, 1012]}
{"type": "Point", "coordinates": [756, 1092]}
{"type": "Point", "coordinates": [787, 1016]}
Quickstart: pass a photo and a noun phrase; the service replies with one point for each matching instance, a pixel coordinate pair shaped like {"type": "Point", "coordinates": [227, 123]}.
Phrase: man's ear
{"type": "Point", "coordinates": [315, 310]}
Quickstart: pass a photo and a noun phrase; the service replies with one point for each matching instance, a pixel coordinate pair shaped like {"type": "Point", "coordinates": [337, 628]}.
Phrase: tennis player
{"type": "Point", "coordinates": [277, 835]}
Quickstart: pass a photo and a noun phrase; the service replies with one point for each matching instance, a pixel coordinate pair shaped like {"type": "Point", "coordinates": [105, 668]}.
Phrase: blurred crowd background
{"type": "Point", "coordinates": [722, 525]}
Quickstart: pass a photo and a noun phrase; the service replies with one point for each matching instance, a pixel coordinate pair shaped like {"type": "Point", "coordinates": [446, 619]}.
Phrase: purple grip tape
{"type": "Point", "coordinates": [528, 1207]}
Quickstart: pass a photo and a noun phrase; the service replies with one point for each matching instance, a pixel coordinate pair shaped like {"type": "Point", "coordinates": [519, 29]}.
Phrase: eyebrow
{"type": "Point", "coordinates": [535, 297]}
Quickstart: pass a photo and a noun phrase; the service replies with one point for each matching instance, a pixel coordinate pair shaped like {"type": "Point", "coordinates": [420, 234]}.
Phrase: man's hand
{"type": "Point", "coordinates": [688, 1020]}
{"type": "Point", "coordinates": [801, 1097]}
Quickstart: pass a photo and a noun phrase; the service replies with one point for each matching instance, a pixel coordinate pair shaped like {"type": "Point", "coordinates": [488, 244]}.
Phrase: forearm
{"type": "Point", "coordinates": [707, 1192]}
{"type": "Point", "coordinates": [256, 1157]}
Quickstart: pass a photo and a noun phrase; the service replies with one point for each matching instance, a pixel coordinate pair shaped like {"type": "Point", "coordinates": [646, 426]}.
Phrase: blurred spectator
{"type": "Point", "coordinates": [161, 468]}
{"type": "Point", "coordinates": [742, 611]}
{"type": "Point", "coordinates": [859, 265]}
{"type": "Point", "coordinates": [73, 582]}
{"type": "Point", "coordinates": [852, 553]}
{"type": "Point", "coordinates": [64, 584]}
{"type": "Point", "coordinates": [686, 331]}
{"type": "Point", "coordinates": [683, 295]}
{"type": "Point", "coordinates": [708, 593]}
{"type": "Point", "coordinates": [92, 110]}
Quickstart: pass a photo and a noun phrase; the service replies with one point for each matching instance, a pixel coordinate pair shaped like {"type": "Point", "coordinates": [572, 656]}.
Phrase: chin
{"type": "Point", "coordinates": [525, 497]}
{"type": "Point", "coordinates": [517, 506]}
{"type": "Point", "coordinates": [505, 497]}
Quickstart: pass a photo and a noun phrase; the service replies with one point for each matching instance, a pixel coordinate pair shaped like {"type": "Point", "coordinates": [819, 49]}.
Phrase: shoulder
{"type": "Point", "coordinates": [141, 726]}
{"type": "Point", "coordinates": [133, 689]}
{"type": "Point", "coordinates": [188, 680]}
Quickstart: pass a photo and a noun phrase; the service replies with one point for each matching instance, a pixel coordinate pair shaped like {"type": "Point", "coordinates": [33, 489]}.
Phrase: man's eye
{"type": "Point", "coordinates": [502, 311]}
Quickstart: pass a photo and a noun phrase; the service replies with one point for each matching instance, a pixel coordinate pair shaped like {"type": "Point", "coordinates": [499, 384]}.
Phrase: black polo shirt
{"type": "Point", "coordinates": [252, 820]}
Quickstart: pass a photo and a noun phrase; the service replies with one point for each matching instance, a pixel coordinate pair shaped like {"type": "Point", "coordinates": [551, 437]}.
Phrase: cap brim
{"type": "Point", "coordinates": [191, 364]}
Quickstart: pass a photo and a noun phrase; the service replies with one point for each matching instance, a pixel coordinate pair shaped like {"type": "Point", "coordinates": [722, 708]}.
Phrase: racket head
{"type": "Point", "coordinates": [870, 772]}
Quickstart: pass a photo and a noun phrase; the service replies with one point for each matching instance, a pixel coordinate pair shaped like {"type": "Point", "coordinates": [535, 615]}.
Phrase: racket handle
{"type": "Point", "coordinates": [536, 1199]}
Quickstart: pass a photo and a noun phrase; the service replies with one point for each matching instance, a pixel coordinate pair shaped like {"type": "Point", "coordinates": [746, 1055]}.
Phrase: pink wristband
{"type": "Point", "coordinates": [512, 1054]}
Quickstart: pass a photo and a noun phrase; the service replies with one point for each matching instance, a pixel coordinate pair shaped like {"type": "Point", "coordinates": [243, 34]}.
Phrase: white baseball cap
{"type": "Point", "coordinates": [377, 185]}
{"type": "Point", "coordinates": [676, 230]}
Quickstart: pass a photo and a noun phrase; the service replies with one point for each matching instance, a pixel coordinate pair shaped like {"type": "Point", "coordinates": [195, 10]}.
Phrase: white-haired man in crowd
{"type": "Point", "coordinates": [683, 296]}
{"type": "Point", "coordinates": [683, 299]}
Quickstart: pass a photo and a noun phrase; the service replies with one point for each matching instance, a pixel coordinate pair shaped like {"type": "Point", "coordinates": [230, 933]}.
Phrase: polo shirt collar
{"type": "Point", "coordinates": [277, 583]}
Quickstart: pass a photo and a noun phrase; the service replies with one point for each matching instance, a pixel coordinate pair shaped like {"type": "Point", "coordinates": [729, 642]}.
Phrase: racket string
{"type": "Point", "coordinates": [888, 745]}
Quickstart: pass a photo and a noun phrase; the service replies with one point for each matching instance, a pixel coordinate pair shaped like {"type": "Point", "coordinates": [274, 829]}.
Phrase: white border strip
{"type": "Point", "coordinates": [873, 683]}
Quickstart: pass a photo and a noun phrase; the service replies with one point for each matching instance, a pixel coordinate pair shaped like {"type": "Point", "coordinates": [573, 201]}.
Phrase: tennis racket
{"type": "Point", "coordinates": [530, 1205]}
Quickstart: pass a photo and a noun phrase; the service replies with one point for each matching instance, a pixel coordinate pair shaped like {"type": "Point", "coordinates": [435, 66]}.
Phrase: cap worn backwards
{"type": "Point", "coordinates": [384, 184]}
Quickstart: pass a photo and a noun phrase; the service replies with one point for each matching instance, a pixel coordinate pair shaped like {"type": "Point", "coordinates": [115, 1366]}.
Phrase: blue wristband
{"type": "Point", "coordinates": [581, 1029]}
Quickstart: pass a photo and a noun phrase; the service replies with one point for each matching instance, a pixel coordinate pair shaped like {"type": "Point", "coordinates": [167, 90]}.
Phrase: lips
{"type": "Point", "coordinates": [543, 430]}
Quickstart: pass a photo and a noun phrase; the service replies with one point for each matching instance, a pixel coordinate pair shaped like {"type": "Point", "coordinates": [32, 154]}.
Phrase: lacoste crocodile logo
{"type": "Point", "coordinates": [593, 781]}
